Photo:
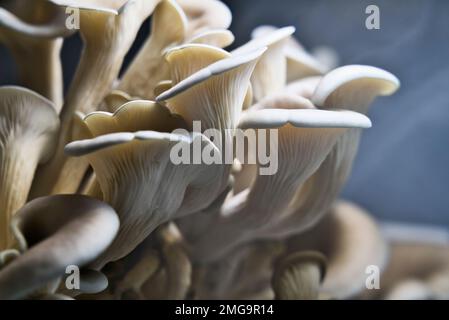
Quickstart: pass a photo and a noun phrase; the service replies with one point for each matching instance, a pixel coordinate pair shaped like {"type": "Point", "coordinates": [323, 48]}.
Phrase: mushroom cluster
{"type": "Point", "coordinates": [88, 181]}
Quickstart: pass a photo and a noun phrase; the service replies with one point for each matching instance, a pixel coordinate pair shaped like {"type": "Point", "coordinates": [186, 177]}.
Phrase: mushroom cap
{"type": "Point", "coordinates": [206, 14]}
{"type": "Point", "coordinates": [53, 233]}
{"type": "Point", "coordinates": [353, 86]}
{"type": "Point", "coordinates": [219, 38]}
{"type": "Point", "coordinates": [214, 69]}
{"type": "Point", "coordinates": [266, 41]}
{"type": "Point", "coordinates": [305, 118]}
{"type": "Point", "coordinates": [37, 19]}
{"type": "Point", "coordinates": [188, 59]}
{"type": "Point", "coordinates": [28, 115]}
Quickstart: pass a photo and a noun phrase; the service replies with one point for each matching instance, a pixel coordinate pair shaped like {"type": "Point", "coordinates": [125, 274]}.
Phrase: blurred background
{"type": "Point", "coordinates": [402, 169]}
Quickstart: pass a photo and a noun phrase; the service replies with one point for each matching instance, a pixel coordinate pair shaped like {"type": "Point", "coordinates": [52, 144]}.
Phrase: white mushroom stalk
{"type": "Point", "coordinates": [305, 138]}
{"type": "Point", "coordinates": [135, 171]}
{"type": "Point", "coordinates": [350, 87]}
{"type": "Point", "coordinates": [33, 30]}
{"type": "Point", "coordinates": [169, 25]}
{"type": "Point", "coordinates": [270, 74]}
{"type": "Point", "coordinates": [205, 15]}
{"type": "Point", "coordinates": [28, 135]}
{"type": "Point", "coordinates": [108, 32]}
{"type": "Point", "coordinates": [53, 233]}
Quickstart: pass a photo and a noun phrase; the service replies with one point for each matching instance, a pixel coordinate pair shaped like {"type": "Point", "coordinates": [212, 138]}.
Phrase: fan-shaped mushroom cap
{"type": "Point", "coordinates": [188, 59]}
{"type": "Point", "coordinates": [116, 98]}
{"type": "Point", "coordinates": [53, 233]}
{"type": "Point", "coordinates": [28, 134]}
{"type": "Point", "coordinates": [169, 25]}
{"type": "Point", "coordinates": [300, 63]}
{"type": "Point", "coordinates": [203, 15]}
{"type": "Point", "coordinates": [270, 73]}
{"type": "Point", "coordinates": [304, 87]}
{"type": "Point", "coordinates": [200, 95]}
{"type": "Point", "coordinates": [125, 159]}
{"type": "Point", "coordinates": [351, 241]}
{"type": "Point", "coordinates": [354, 87]}
{"type": "Point", "coordinates": [305, 139]}
{"type": "Point", "coordinates": [33, 31]}
{"type": "Point", "coordinates": [299, 275]}
{"type": "Point", "coordinates": [220, 38]}
{"type": "Point", "coordinates": [108, 30]}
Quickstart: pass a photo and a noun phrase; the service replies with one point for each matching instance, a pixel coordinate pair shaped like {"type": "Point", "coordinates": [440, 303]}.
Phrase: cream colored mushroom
{"type": "Point", "coordinates": [350, 87]}
{"type": "Point", "coordinates": [351, 241]}
{"type": "Point", "coordinates": [204, 15]}
{"type": "Point", "coordinates": [300, 63]}
{"type": "Point", "coordinates": [270, 74]}
{"type": "Point", "coordinates": [220, 38]}
{"type": "Point", "coordinates": [33, 30]}
{"type": "Point", "coordinates": [28, 136]}
{"type": "Point", "coordinates": [53, 233]}
{"type": "Point", "coordinates": [135, 171]}
{"type": "Point", "coordinates": [306, 136]}
{"type": "Point", "coordinates": [148, 68]}
{"type": "Point", "coordinates": [299, 275]}
{"type": "Point", "coordinates": [108, 31]}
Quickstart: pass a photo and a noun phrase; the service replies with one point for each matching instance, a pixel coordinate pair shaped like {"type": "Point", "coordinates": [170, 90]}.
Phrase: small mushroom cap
{"type": "Point", "coordinates": [116, 99]}
{"type": "Point", "coordinates": [24, 111]}
{"type": "Point", "coordinates": [307, 118]}
{"type": "Point", "coordinates": [298, 276]}
{"type": "Point", "coordinates": [300, 63]}
{"type": "Point", "coordinates": [266, 41]}
{"type": "Point", "coordinates": [206, 14]}
{"type": "Point", "coordinates": [37, 19]}
{"type": "Point", "coordinates": [354, 86]}
{"type": "Point", "coordinates": [188, 59]}
{"type": "Point", "coordinates": [214, 69]}
{"type": "Point", "coordinates": [218, 38]}
{"type": "Point", "coordinates": [53, 233]}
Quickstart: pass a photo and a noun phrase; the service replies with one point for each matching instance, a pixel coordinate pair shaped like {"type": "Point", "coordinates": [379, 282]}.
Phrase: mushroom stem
{"type": "Point", "coordinates": [107, 36]}
{"type": "Point", "coordinates": [299, 276]}
{"type": "Point", "coordinates": [16, 175]}
{"type": "Point", "coordinates": [40, 68]}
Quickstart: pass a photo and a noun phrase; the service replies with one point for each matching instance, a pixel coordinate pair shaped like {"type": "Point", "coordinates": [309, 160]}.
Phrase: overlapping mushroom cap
{"type": "Point", "coordinates": [54, 233]}
{"type": "Point", "coordinates": [135, 171]}
{"type": "Point", "coordinates": [28, 136]}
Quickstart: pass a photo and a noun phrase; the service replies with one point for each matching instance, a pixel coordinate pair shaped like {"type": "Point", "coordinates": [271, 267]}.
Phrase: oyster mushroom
{"type": "Point", "coordinates": [350, 87]}
{"type": "Point", "coordinates": [299, 275]}
{"type": "Point", "coordinates": [198, 95]}
{"type": "Point", "coordinates": [351, 241]}
{"type": "Point", "coordinates": [270, 74]}
{"type": "Point", "coordinates": [220, 38]}
{"type": "Point", "coordinates": [108, 31]}
{"type": "Point", "coordinates": [148, 68]}
{"type": "Point", "coordinates": [28, 136]}
{"type": "Point", "coordinates": [125, 159]}
{"type": "Point", "coordinates": [53, 233]}
{"type": "Point", "coordinates": [306, 136]}
{"type": "Point", "coordinates": [300, 64]}
{"type": "Point", "coordinates": [204, 15]}
{"type": "Point", "coordinates": [33, 31]}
